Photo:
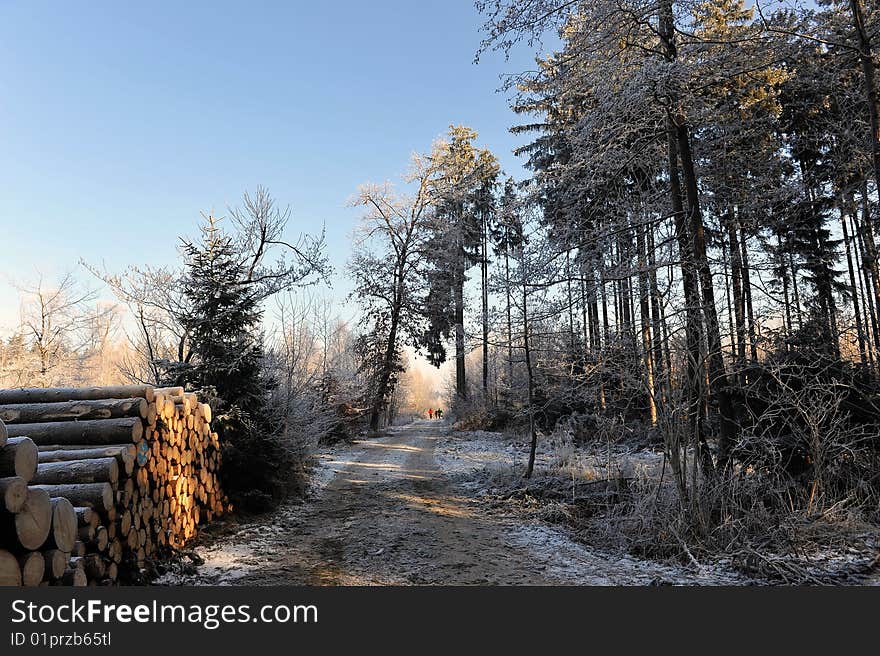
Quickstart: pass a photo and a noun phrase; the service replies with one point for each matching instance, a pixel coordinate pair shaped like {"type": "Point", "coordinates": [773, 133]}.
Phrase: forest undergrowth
{"type": "Point", "coordinates": [615, 492]}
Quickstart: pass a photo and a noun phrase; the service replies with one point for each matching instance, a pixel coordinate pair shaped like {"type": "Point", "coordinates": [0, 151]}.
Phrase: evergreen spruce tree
{"type": "Point", "coordinates": [464, 179]}
{"type": "Point", "coordinates": [226, 353]}
{"type": "Point", "coordinates": [224, 323]}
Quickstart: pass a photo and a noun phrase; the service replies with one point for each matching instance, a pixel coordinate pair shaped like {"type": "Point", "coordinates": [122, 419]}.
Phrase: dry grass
{"type": "Point", "coordinates": [615, 498]}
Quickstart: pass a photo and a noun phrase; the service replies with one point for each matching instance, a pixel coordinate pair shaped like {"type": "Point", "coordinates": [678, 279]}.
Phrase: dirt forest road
{"type": "Point", "coordinates": [389, 516]}
{"type": "Point", "coordinates": [402, 510]}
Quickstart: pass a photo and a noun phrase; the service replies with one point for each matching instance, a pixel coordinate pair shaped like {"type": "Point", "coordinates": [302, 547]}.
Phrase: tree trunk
{"type": "Point", "coordinates": [786, 292]}
{"type": "Point", "coordinates": [869, 251]}
{"type": "Point", "coordinates": [871, 327]}
{"type": "Point", "coordinates": [645, 317]}
{"type": "Point", "coordinates": [726, 276]}
{"type": "Point", "coordinates": [509, 317]}
{"type": "Point", "coordinates": [718, 383]}
{"type": "Point", "coordinates": [385, 374]}
{"type": "Point", "coordinates": [458, 300]}
{"type": "Point", "coordinates": [739, 305]}
{"type": "Point", "coordinates": [572, 339]}
{"type": "Point", "coordinates": [854, 289]}
{"type": "Point", "coordinates": [866, 59]}
{"type": "Point", "coordinates": [661, 363]}
{"type": "Point", "coordinates": [689, 233]}
{"type": "Point", "coordinates": [533, 433]}
{"type": "Point", "coordinates": [792, 266]}
{"type": "Point", "coordinates": [484, 274]}
{"type": "Point", "coordinates": [747, 292]}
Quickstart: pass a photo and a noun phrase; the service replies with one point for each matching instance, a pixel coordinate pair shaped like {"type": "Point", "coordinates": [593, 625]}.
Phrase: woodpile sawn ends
{"type": "Point", "coordinates": [97, 481]}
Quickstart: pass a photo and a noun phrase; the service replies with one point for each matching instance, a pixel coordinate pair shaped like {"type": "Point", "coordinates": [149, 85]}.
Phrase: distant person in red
{"type": "Point", "coordinates": [430, 413]}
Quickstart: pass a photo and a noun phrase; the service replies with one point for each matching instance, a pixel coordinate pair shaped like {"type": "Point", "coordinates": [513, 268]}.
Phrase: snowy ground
{"type": "Point", "coordinates": [419, 507]}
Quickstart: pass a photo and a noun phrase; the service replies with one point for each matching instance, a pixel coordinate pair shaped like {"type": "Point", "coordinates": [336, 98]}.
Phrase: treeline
{"type": "Point", "coordinates": [64, 335]}
{"type": "Point", "coordinates": [706, 181]}
{"type": "Point", "coordinates": [235, 320]}
{"type": "Point", "coordinates": [702, 253]}
{"type": "Point", "coordinates": [694, 252]}
{"type": "Point", "coordinates": [243, 319]}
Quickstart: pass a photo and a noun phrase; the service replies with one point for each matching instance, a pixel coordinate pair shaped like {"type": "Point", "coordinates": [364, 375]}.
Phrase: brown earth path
{"type": "Point", "coordinates": [390, 516]}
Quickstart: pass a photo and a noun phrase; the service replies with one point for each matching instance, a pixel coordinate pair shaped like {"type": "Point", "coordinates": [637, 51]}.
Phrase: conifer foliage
{"type": "Point", "coordinates": [223, 323]}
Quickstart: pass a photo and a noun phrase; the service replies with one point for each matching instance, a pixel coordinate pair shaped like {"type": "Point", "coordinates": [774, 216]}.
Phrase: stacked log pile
{"type": "Point", "coordinates": [96, 481]}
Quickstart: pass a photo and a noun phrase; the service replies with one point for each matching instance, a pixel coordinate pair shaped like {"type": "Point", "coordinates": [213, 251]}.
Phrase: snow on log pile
{"type": "Point", "coordinates": [94, 481]}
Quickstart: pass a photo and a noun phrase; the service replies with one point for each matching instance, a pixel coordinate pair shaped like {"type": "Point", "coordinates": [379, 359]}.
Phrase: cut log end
{"type": "Point", "coordinates": [33, 569]}
{"type": "Point", "coordinates": [19, 458]}
{"type": "Point", "coordinates": [55, 562]}
{"type": "Point", "coordinates": [13, 493]}
{"type": "Point", "coordinates": [64, 525]}
{"type": "Point", "coordinates": [10, 570]}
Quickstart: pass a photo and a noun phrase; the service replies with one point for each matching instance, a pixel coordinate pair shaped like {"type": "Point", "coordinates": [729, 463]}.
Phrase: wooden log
{"type": "Point", "coordinates": [169, 391]}
{"type": "Point", "coordinates": [3, 434]}
{"type": "Point", "coordinates": [125, 522]}
{"type": "Point", "coordinates": [101, 450]}
{"type": "Point", "coordinates": [101, 539]}
{"type": "Point", "coordinates": [125, 454]}
{"type": "Point", "coordinates": [33, 569]}
{"type": "Point", "coordinates": [94, 566]}
{"type": "Point", "coordinates": [90, 431]}
{"type": "Point", "coordinates": [36, 413]}
{"type": "Point", "coordinates": [10, 570]}
{"type": "Point", "coordinates": [55, 562]}
{"type": "Point", "coordinates": [63, 533]}
{"type": "Point", "coordinates": [79, 549]}
{"type": "Point", "coordinates": [92, 495]}
{"type": "Point", "coordinates": [152, 414]}
{"type": "Point", "coordinates": [86, 533]}
{"type": "Point", "coordinates": [13, 492]}
{"type": "Point", "coordinates": [19, 458]}
{"type": "Point", "coordinates": [75, 577]}
{"type": "Point", "coordinates": [114, 551]}
{"type": "Point", "coordinates": [97, 470]}
{"type": "Point", "coordinates": [30, 526]}
{"type": "Point", "coordinates": [87, 517]}
{"type": "Point", "coordinates": [52, 395]}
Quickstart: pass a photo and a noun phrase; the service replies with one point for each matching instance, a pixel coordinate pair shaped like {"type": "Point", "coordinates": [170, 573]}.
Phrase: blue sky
{"type": "Point", "coordinates": [120, 122]}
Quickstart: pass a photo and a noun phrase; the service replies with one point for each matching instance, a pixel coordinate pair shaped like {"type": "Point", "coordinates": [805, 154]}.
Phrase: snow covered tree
{"type": "Point", "coordinates": [462, 182]}
{"type": "Point", "coordinates": [223, 323]}
{"type": "Point", "coordinates": [387, 269]}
